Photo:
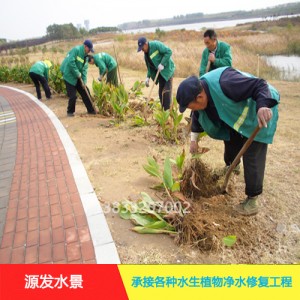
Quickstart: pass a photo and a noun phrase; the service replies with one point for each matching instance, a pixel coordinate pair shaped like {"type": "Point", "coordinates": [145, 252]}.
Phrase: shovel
{"type": "Point", "coordinates": [239, 155]}
{"type": "Point", "coordinates": [148, 99]}
{"type": "Point", "coordinates": [88, 94]}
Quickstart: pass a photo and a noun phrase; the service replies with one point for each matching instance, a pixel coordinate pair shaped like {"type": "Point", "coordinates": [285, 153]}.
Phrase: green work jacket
{"type": "Point", "coordinates": [241, 116]}
{"type": "Point", "coordinates": [160, 54]}
{"type": "Point", "coordinates": [104, 62]}
{"type": "Point", "coordinates": [41, 69]}
{"type": "Point", "coordinates": [223, 58]}
{"type": "Point", "coordinates": [75, 64]}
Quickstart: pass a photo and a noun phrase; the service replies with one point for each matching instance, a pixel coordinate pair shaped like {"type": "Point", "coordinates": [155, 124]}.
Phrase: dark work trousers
{"type": "Point", "coordinates": [165, 92]}
{"type": "Point", "coordinates": [71, 91]}
{"type": "Point", "coordinates": [112, 77]}
{"type": "Point", "coordinates": [37, 79]}
{"type": "Point", "coordinates": [254, 161]}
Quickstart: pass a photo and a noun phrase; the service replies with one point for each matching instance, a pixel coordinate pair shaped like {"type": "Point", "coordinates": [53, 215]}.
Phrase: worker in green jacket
{"type": "Point", "coordinates": [230, 105]}
{"type": "Point", "coordinates": [107, 66]}
{"type": "Point", "coordinates": [39, 73]}
{"type": "Point", "coordinates": [216, 54]}
{"type": "Point", "coordinates": [74, 69]}
{"type": "Point", "coordinates": [158, 59]}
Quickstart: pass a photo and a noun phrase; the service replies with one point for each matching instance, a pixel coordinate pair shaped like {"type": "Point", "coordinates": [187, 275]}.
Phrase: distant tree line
{"type": "Point", "coordinates": [103, 29]}
{"type": "Point", "coordinates": [61, 32]}
{"type": "Point", "coordinates": [279, 10]}
{"type": "Point", "coordinates": [55, 32]}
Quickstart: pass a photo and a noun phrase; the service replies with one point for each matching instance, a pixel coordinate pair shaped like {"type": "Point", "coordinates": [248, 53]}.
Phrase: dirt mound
{"type": "Point", "coordinates": [212, 217]}
{"type": "Point", "coordinates": [199, 180]}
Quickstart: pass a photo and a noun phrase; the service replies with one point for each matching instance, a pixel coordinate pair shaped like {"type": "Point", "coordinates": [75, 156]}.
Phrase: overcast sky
{"type": "Point", "coordinates": [20, 19]}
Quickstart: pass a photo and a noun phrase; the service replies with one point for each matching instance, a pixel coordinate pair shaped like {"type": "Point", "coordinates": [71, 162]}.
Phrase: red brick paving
{"type": "Point", "coordinates": [45, 220]}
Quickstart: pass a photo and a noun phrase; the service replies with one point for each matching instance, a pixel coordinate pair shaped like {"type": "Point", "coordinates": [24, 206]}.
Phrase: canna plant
{"type": "Point", "coordinates": [102, 96]}
{"type": "Point", "coordinates": [146, 214]}
{"type": "Point", "coordinates": [136, 89]}
{"type": "Point", "coordinates": [119, 102]}
{"type": "Point", "coordinates": [139, 121]}
{"type": "Point", "coordinates": [56, 81]}
{"type": "Point", "coordinates": [111, 100]}
{"type": "Point", "coordinates": [168, 121]}
{"type": "Point", "coordinates": [169, 181]}
{"type": "Point", "coordinates": [161, 116]}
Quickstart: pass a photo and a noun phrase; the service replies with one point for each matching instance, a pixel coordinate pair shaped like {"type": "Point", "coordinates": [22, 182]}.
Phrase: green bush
{"type": "Point", "coordinates": [56, 81]}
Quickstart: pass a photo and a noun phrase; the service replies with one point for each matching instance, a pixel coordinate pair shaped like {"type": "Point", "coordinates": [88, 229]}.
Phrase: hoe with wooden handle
{"type": "Point", "coordinates": [148, 99]}
{"type": "Point", "coordinates": [208, 66]}
{"type": "Point", "coordinates": [239, 155]}
{"type": "Point", "coordinates": [87, 93]}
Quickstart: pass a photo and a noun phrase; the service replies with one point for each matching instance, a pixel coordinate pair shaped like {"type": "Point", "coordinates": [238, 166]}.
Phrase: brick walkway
{"type": "Point", "coordinates": [45, 217]}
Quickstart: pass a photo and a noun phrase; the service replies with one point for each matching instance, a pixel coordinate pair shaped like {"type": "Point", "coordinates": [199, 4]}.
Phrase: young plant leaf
{"type": "Point", "coordinates": [168, 177]}
{"type": "Point", "coordinates": [124, 213]}
{"type": "Point", "coordinates": [144, 220]}
{"type": "Point", "coordinates": [175, 187]}
{"type": "Point", "coordinates": [229, 240]}
{"type": "Point", "coordinates": [157, 225]}
{"type": "Point", "coordinates": [141, 229]}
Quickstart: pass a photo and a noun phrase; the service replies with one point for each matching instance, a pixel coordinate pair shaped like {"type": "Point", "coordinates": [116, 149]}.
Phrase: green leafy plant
{"type": "Point", "coordinates": [170, 180]}
{"type": "Point", "coordinates": [56, 81]}
{"type": "Point", "coordinates": [111, 100]}
{"type": "Point", "coordinates": [4, 73]}
{"type": "Point", "coordinates": [19, 74]}
{"type": "Point", "coordinates": [119, 102]}
{"type": "Point", "coordinates": [136, 89]}
{"type": "Point", "coordinates": [146, 214]}
{"type": "Point", "coordinates": [139, 121]}
{"type": "Point", "coordinates": [161, 117]}
{"type": "Point", "coordinates": [168, 121]}
{"type": "Point", "coordinates": [102, 96]}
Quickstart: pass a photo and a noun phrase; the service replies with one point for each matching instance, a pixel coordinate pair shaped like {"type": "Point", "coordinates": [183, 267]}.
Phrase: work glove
{"type": "Point", "coordinates": [147, 82]}
{"type": "Point", "coordinates": [79, 75]}
{"type": "Point", "coordinates": [160, 67]}
{"type": "Point", "coordinates": [100, 78]}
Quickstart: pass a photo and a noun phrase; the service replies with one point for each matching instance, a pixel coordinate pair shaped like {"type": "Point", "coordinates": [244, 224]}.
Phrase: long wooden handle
{"type": "Point", "coordinates": [156, 76]}
{"type": "Point", "coordinates": [87, 93]}
{"type": "Point", "coordinates": [208, 66]}
{"type": "Point", "coordinates": [148, 99]}
{"type": "Point", "coordinates": [117, 64]}
{"type": "Point", "coordinates": [239, 155]}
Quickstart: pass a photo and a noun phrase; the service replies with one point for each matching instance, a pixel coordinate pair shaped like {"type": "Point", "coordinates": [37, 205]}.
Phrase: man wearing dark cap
{"type": "Point", "coordinates": [230, 105]}
{"type": "Point", "coordinates": [74, 68]}
{"type": "Point", "coordinates": [158, 59]}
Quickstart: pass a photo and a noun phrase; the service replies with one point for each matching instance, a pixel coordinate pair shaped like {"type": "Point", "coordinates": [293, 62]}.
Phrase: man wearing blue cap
{"type": "Point", "coordinates": [74, 69]}
{"type": "Point", "coordinates": [158, 59]}
{"type": "Point", "coordinates": [231, 104]}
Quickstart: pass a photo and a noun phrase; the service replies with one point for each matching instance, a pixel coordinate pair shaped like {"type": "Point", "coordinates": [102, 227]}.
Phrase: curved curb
{"type": "Point", "coordinates": [105, 248]}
